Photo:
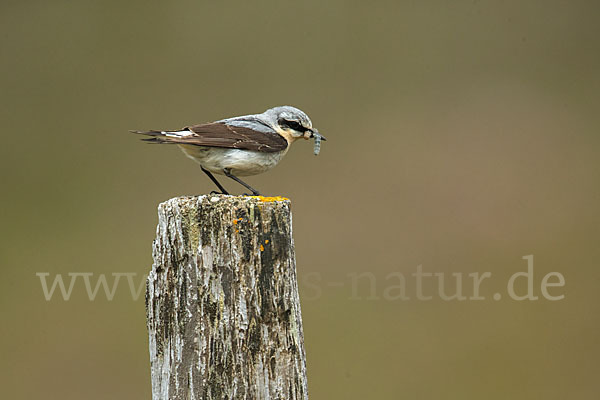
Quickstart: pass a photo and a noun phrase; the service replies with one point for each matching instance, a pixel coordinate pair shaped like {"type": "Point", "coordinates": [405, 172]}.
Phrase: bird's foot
{"type": "Point", "coordinates": [253, 194]}
{"type": "Point", "coordinates": [215, 192]}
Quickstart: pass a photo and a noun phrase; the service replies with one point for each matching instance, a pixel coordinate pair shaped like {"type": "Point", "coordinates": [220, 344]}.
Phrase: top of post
{"type": "Point", "coordinates": [223, 200]}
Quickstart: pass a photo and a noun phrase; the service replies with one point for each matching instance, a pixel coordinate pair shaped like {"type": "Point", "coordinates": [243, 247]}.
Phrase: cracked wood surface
{"type": "Point", "coordinates": [222, 303]}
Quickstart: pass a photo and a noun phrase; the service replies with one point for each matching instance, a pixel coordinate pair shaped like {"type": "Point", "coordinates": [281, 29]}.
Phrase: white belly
{"type": "Point", "coordinates": [240, 162]}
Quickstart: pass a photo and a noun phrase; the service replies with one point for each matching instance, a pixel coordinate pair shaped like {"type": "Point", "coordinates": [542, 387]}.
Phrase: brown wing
{"type": "Point", "coordinates": [218, 134]}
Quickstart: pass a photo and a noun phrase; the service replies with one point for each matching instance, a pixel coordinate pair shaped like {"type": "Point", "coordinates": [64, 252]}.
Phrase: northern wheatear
{"type": "Point", "coordinates": [241, 146]}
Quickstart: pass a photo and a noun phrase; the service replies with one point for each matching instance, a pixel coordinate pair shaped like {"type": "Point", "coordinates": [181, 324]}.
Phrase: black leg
{"type": "Point", "coordinates": [212, 178]}
{"type": "Point", "coordinates": [238, 180]}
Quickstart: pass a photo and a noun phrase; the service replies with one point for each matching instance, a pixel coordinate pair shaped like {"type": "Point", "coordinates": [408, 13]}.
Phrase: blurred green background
{"type": "Point", "coordinates": [462, 136]}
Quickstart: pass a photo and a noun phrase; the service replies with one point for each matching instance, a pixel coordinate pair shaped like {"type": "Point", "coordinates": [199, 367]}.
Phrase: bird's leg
{"type": "Point", "coordinates": [216, 182]}
{"type": "Point", "coordinates": [228, 174]}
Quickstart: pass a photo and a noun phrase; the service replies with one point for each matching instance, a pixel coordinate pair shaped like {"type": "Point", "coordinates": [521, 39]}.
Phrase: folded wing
{"type": "Point", "coordinates": [220, 134]}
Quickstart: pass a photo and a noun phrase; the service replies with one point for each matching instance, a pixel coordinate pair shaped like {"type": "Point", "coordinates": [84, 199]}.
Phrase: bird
{"type": "Point", "coordinates": [240, 146]}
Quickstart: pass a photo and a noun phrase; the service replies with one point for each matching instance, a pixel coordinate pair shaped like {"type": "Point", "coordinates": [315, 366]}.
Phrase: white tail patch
{"type": "Point", "coordinates": [178, 134]}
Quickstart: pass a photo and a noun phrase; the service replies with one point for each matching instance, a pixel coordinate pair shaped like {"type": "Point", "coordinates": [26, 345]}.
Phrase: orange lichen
{"type": "Point", "coordinates": [262, 248]}
{"type": "Point", "coordinates": [235, 221]}
{"type": "Point", "coordinates": [269, 199]}
{"type": "Point", "coordinates": [267, 241]}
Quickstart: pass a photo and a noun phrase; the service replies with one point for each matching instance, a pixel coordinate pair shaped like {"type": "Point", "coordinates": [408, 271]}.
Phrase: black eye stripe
{"type": "Point", "coordinates": [295, 125]}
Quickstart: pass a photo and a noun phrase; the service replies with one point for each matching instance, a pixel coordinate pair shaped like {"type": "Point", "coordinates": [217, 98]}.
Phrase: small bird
{"type": "Point", "coordinates": [241, 146]}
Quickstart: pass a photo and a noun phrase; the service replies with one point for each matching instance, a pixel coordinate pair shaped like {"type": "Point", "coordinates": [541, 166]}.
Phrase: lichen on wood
{"type": "Point", "coordinates": [222, 301]}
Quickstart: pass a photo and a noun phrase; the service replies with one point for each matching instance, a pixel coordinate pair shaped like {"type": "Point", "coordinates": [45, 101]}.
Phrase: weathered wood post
{"type": "Point", "coordinates": [222, 301]}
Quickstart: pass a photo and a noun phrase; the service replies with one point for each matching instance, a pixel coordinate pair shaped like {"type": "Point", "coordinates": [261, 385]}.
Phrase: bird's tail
{"type": "Point", "coordinates": [162, 136]}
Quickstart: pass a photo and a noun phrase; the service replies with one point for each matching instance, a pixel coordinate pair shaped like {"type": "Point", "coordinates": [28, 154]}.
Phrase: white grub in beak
{"type": "Point", "coordinates": [317, 136]}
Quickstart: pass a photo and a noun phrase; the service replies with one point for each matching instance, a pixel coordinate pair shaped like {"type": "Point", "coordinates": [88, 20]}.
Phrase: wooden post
{"type": "Point", "coordinates": [222, 301]}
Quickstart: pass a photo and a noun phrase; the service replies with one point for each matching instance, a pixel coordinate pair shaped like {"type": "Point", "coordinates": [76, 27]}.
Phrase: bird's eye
{"type": "Point", "coordinates": [295, 125]}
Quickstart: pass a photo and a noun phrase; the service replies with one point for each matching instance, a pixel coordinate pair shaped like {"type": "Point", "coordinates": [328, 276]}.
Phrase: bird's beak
{"type": "Point", "coordinates": [312, 134]}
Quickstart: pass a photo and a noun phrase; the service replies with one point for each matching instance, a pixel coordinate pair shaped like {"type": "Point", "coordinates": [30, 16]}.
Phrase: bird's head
{"type": "Point", "coordinates": [291, 123]}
